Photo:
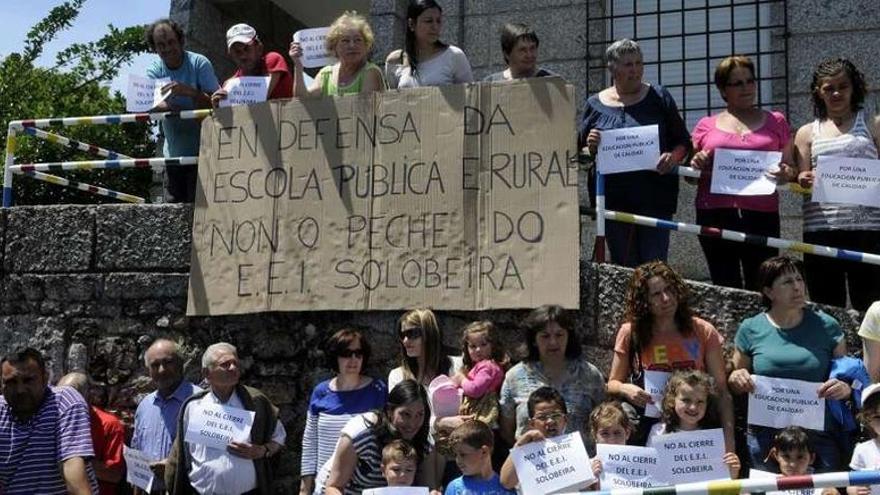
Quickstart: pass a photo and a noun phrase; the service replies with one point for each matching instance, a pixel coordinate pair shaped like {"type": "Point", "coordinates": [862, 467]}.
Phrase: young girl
{"type": "Point", "coordinates": [688, 405]}
{"type": "Point", "coordinates": [482, 371]}
{"type": "Point", "coordinates": [867, 454]}
{"type": "Point", "coordinates": [609, 424]}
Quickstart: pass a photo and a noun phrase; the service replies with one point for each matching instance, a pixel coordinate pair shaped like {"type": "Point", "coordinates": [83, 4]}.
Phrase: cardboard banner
{"type": "Point", "coordinates": [397, 490]}
{"type": "Point", "coordinates": [461, 197]}
{"type": "Point", "coordinates": [655, 385]}
{"type": "Point", "coordinates": [758, 474]}
{"type": "Point", "coordinates": [554, 465]}
{"type": "Point", "coordinates": [137, 468]}
{"type": "Point", "coordinates": [841, 179]}
{"type": "Point", "coordinates": [690, 456]}
{"type": "Point", "coordinates": [314, 46]}
{"type": "Point", "coordinates": [744, 172]}
{"type": "Point", "coordinates": [630, 149]}
{"type": "Point", "coordinates": [245, 90]}
{"type": "Point", "coordinates": [216, 426]}
{"type": "Point", "coordinates": [778, 402]}
{"type": "Point", "coordinates": [625, 466]}
{"type": "Point", "coordinates": [144, 94]}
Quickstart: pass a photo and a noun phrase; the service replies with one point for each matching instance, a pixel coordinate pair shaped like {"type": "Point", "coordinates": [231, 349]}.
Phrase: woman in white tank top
{"type": "Point", "coordinates": [841, 129]}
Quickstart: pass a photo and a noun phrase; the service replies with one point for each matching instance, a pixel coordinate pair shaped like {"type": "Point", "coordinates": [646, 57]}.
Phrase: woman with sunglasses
{"type": "Point", "coordinates": [741, 126]}
{"type": "Point", "coordinates": [337, 400]}
{"type": "Point", "coordinates": [554, 360]}
{"type": "Point", "coordinates": [421, 350]}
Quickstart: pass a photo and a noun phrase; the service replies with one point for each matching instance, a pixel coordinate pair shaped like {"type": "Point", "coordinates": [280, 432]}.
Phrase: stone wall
{"type": "Point", "coordinates": [92, 286]}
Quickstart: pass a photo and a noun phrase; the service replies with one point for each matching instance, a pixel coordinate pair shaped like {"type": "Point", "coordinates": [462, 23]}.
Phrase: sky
{"type": "Point", "coordinates": [91, 24]}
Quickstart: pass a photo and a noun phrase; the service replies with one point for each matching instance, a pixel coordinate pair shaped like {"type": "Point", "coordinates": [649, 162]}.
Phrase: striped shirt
{"type": "Point", "coordinates": [857, 143]}
{"type": "Point", "coordinates": [30, 451]}
{"type": "Point", "coordinates": [329, 411]}
{"type": "Point", "coordinates": [367, 473]}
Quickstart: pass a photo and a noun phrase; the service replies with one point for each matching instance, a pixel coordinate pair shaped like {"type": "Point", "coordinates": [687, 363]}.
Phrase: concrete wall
{"type": "Point", "coordinates": [93, 286]}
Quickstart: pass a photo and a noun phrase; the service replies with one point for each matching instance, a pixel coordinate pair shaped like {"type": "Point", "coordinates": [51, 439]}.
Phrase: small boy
{"type": "Point", "coordinates": [473, 442]}
{"type": "Point", "coordinates": [793, 452]}
{"type": "Point", "coordinates": [399, 462]}
{"type": "Point", "coordinates": [547, 419]}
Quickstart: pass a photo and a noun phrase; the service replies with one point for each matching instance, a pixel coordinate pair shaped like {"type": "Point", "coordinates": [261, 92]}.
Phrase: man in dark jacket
{"type": "Point", "coordinates": [243, 466]}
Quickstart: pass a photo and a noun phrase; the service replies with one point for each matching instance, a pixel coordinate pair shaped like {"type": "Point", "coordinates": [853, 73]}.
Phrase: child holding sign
{"type": "Point", "coordinates": [473, 442]}
{"type": "Point", "coordinates": [399, 462]}
{"type": "Point", "coordinates": [689, 397]}
{"type": "Point", "coordinates": [867, 454]}
{"type": "Point", "coordinates": [610, 425]}
{"type": "Point", "coordinates": [547, 419]}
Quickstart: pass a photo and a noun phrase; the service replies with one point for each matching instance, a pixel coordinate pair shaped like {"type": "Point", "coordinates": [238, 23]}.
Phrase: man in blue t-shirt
{"type": "Point", "coordinates": [192, 82]}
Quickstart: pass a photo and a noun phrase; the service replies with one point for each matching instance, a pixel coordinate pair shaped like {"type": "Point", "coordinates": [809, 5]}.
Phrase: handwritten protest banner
{"type": "Point", "coordinates": [847, 180]}
{"type": "Point", "coordinates": [216, 426]}
{"type": "Point", "coordinates": [744, 172]}
{"type": "Point", "coordinates": [778, 402]}
{"type": "Point", "coordinates": [630, 149]}
{"type": "Point", "coordinates": [758, 474]}
{"type": "Point", "coordinates": [314, 46]}
{"type": "Point", "coordinates": [463, 197]}
{"type": "Point", "coordinates": [655, 385]}
{"type": "Point", "coordinates": [690, 456]}
{"type": "Point", "coordinates": [144, 93]}
{"type": "Point", "coordinates": [625, 466]}
{"type": "Point", "coordinates": [554, 465]}
{"type": "Point", "coordinates": [137, 468]}
{"type": "Point", "coordinates": [245, 90]}
{"type": "Point", "coordinates": [397, 490]}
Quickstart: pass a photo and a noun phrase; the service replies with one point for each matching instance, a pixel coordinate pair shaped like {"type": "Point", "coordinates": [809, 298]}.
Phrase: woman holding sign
{"type": "Point", "coordinates": [350, 38]}
{"type": "Point", "coordinates": [660, 334]}
{"type": "Point", "coordinates": [793, 342]}
{"type": "Point", "coordinates": [356, 463]}
{"type": "Point", "coordinates": [630, 103]}
{"type": "Point", "coordinates": [742, 126]}
{"type": "Point", "coordinates": [424, 59]}
{"type": "Point", "coordinates": [842, 130]}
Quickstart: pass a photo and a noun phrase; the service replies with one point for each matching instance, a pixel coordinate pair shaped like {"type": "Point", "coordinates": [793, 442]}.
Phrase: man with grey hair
{"type": "Point", "coordinates": [108, 436]}
{"type": "Point", "coordinates": [155, 421]}
{"type": "Point", "coordinates": [242, 467]}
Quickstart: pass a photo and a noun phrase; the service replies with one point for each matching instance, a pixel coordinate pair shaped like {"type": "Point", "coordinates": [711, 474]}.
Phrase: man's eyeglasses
{"type": "Point", "coordinates": [741, 83]}
{"type": "Point", "coordinates": [351, 353]}
{"type": "Point", "coordinates": [544, 418]}
{"type": "Point", "coordinates": [411, 333]}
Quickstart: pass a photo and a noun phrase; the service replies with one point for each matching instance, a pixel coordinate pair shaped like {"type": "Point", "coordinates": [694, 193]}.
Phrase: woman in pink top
{"type": "Point", "coordinates": [742, 126]}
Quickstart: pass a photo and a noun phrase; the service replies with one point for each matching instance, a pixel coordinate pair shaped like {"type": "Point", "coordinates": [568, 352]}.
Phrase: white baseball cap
{"type": "Point", "coordinates": [870, 390]}
{"type": "Point", "coordinates": [240, 33]}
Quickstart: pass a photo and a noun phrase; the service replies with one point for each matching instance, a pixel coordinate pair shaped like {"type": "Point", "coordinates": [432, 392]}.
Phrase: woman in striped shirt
{"type": "Point", "coordinates": [334, 402]}
{"type": "Point", "coordinates": [841, 130]}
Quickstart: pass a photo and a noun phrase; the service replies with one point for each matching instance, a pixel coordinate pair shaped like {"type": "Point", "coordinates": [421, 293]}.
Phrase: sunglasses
{"type": "Point", "coordinates": [741, 83]}
{"type": "Point", "coordinates": [411, 334]}
{"type": "Point", "coordinates": [351, 353]}
{"type": "Point", "coordinates": [544, 418]}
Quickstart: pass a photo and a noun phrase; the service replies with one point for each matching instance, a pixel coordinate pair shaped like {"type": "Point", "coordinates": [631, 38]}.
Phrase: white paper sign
{"type": "Point", "coordinates": [137, 468]}
{"type": "Point", "coordinates": [777, 403]}
{"type": "Point", "coordinates": [397, 490]}
{"type": "Point", "coordinates": [314, 46]}
{"type": "Point", "coordinates": [847, 180]}
{"type": "Point", "coordinates": [626, 150]}
{"type": "Point", "coordinates": [216, 426]}
{"type": "Point", "coordinates": [758, 474]}
{"type": "Point", "coordinates": [245, 90]}
{"type": "Point", "coordinates": [554, 465]}
{"type": "Point", "coordinates": [690, 456]}
{"type": "Point", "coordinates": [626, 466]}
{"type": "Point", "coordinates": [744, 172]}
{"type": "Point", "coordinates": [144, 93]}
{"type": "Point", "coordinates": [655, 384]}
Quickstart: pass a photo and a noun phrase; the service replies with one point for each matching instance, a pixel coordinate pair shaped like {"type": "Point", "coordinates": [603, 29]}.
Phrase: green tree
{"type": "Point", "coordinates": [77, 85]}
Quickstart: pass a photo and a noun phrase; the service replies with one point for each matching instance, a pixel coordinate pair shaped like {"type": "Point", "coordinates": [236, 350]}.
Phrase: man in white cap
{"type": "Point", "coordinates": [246, 50]}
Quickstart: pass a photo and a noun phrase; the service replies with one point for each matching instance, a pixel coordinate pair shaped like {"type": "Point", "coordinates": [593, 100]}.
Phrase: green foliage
{"type": "Point", "coordinates": [75, 86]}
